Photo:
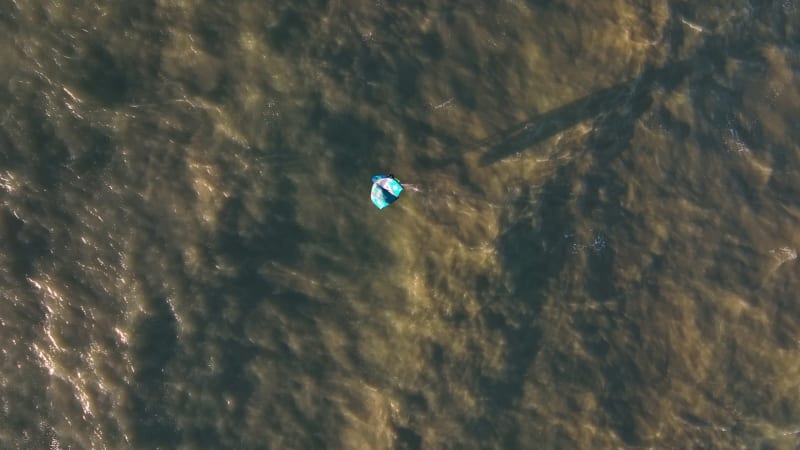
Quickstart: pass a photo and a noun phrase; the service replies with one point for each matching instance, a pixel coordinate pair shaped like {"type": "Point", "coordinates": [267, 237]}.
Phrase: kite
{"type": "Point", "coordinates": [386, 190]}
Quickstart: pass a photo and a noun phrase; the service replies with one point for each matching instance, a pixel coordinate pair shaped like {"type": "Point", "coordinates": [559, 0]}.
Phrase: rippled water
{"type": "Point", "coordinates": [601, 255]}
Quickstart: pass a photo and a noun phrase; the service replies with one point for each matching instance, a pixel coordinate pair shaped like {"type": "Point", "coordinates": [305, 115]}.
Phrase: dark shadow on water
{"type": "Point", "coordinates": [245, 244]}
{"type": "Point", "coordinates": [352, 138]}
{"type": "Point", "coordinates": [111, 73]}
{"type": "Point", "coordinates": [105, 77]}
{"type": "Point", "coordinates": [619, 99]}
{"type": "Point", "coordinates": [268, 242]}
{"type": "Point", "coordinates": [24, 243]}
{"type": "Point", "coordinates": [292, 28]}
{"type": "Point", "coordinates": [249, 244]}
{"type": "Point", "coordinates": [533, 251]}
{"type": "Point", "coordinates": [407, 439]}
{"type": "Point", "coordinates": [631, 94]}
{"type": "Point", "coordinates": [536, 254]}
{"type": "Point", "coordinates": [97, 152]}
{"type": "Point", "coordinates": [154, 346]}
{"type": "Point", "coordinates": [33, 130]}
{"type": "Point", "coordinates": [537, 250]}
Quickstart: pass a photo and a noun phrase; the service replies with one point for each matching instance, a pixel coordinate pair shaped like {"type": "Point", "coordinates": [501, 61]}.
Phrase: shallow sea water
{"type": "Point", "coordinates": [601, 253]}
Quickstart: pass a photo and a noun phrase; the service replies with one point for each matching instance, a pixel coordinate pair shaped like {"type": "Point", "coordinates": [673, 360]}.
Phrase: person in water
{"type": "Point", "coordinates": [386, 189]}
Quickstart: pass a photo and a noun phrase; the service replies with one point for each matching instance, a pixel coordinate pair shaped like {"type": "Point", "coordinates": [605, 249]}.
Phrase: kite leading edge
{"type": "Point", "coordinates": [386, 190]}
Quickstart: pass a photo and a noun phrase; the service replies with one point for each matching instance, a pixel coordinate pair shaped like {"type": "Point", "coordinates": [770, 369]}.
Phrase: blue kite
{"type": "Point", "coordinates": [386, 190]}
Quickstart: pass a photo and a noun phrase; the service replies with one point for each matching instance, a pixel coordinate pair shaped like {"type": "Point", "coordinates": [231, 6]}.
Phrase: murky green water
{"type": "Point", "coordinates": [602, 254]}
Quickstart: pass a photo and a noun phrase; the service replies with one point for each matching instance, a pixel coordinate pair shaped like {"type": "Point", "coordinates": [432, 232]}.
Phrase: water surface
{"type": "Point", "coordinates": [602, 254]}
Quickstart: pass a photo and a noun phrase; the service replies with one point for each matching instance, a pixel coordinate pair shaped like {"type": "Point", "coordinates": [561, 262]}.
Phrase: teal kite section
{"type": "Point", "coordinates": [385, 190]}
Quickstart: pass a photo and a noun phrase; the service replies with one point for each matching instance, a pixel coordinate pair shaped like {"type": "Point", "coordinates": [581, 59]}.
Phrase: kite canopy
{"type": "Point", "coordinates": [385, 190]}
